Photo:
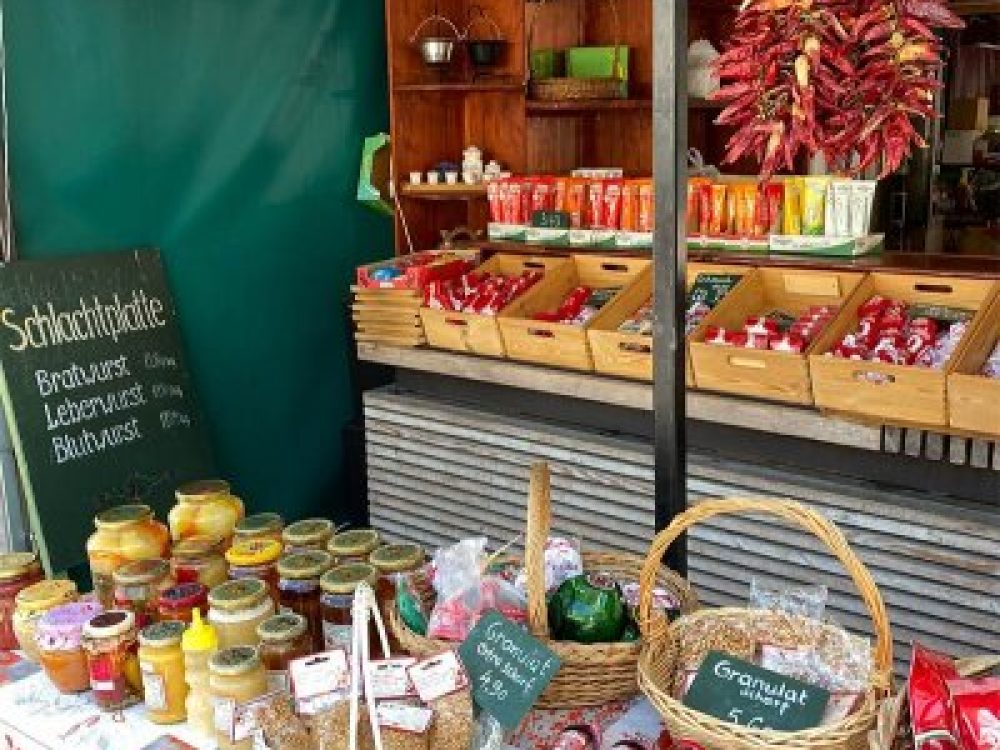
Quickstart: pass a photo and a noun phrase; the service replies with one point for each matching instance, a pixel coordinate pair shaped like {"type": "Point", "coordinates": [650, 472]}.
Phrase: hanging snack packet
{"type": "Point", "coordinates": [975, 712]}
{"type": "Point", "coordinates": [929, 714]}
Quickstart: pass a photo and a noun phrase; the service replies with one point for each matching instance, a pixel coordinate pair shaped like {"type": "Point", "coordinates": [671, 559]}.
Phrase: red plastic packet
{"type": "Point", "coordinates": [543, 197]}
{"type": "Point", "coordinates": [594, 213]}
{"type": "Point", "coordinates": [561, 194]}
{"type": "Point", "coordinates": [493, 196]}
{"type": "Point", "coordinates": [975, 712]}
{"type": "Point", "coordinates": [527, 199]}
{"type": "Point", "coordinates": [929, 713]}
{"type": "Point", "coordinates": [612, 215]}
{"type": "Point", "coordinates": [512, 203]}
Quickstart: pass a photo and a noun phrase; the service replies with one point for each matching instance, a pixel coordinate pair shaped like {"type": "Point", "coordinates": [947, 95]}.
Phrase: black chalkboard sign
{"type": "Point", "coordinates": [98, 398]}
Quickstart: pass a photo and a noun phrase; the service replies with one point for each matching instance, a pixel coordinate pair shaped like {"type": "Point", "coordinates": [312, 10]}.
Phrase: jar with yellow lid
{"type": "Point", "coordinates": [18, 570]}
{"type": "Point", "coordinates": [261, 526]}
{"type": "Point", "coordinates": [395, 561]}
{"type": "Point", "coordinates": [109, 640]}
{"type": "Point", "coordinates": [138, 586]}
{"type": "Point", "coordinates": [124, 534]}
{"type": "Point", "coordinates": [205, 508]}
{"type": "Point", "coordinates": [283, 639]}
{"type": "Point", "coordinates": [336, 603]}
{"type": "Point", "coordinates": [33, 602]}
{"type": "Point", "coordinates": [236, 677]}
{"type": "Point", "coordinates": [299, 588]}
{"type": "Point", "coordinates": [236, 609]}
{"type": "Point", "coordinates": [255, 558]}
{"type": "Point", "coordinates": [161, 663]}
{"type": "Point", "coordinates": [354, 546]}
{"type": "Point", "coordinates": [309, 534]}
{"type": "Point", "coordinates": [200, 559]}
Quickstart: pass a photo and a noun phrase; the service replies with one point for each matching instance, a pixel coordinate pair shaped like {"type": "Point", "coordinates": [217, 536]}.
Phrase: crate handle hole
{"type": "Point", "coordinates": [534, 264]}
{"type": "Point", "coordinates": [543, 332]}
{"type": "Point", "coordinates": [748, 362]}
{"type": "Point", "coordinates": [873, 377]}
{"type": "Point", "coordinates": [456, 322]}
{"type": "Point", "coordinates": [934, 288]}
{"type": "Point", "coordinates": [630, 348]}
{"type": "Point", "coordinates": [615, 267]}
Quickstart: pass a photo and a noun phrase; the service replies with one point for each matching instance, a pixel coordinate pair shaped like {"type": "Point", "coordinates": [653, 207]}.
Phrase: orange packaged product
{"type": "Point", "coordinates": [630, 206]}
{"type": "Point", "coordinates": [748, 213]}
{"type": "Point", "coordinates": [560, 191]}
{"type": "Point", "coordinates": [717, 223]}
{"type": "Point", "coordinates": [704, 193]}
{"type": "Point", "coordinates": [576, 201]}
{"type": "Point", "coordinates": [612, 211]}
{"type": "Point", "coordinates": [694, 187]}
{"type": "Point", "coordinates": [732, 216]}
{"type": "Point", "coordinates": [647, 206]}
{"type": "Point", "coordinates": [594, 209]}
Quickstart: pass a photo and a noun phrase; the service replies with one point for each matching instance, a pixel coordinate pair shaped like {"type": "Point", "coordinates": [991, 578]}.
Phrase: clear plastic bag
{"type": "Point", "coordinates": [804, 601]}
{"type": "Point", "coordinates": [562, 562]}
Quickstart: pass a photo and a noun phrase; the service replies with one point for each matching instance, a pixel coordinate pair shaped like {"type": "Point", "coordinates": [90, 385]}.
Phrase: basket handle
{"type": "Point", "coordinates": [616, 20]}
{"type": "Point", "coordinates": [435, 17]}
{"type": "Point", "coordinates": [795, 513]}
{"type": "Point", "coordinates": [476, 13]}
{"type": "Point", "coordinates": [537, 533]}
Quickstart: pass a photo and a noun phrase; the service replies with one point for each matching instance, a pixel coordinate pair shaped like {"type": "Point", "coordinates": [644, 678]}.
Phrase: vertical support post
{"type": "Point", "coordinates": [670, 20]}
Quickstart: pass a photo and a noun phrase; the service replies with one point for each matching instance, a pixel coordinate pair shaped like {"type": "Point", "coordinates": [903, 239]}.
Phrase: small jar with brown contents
{"type": "Point", "coordinates": [260, 526]}
{"type": "Point", "coordinates": [310, 534]}
{"type": "Point", "coordinates": [336, 605]}
{"type": "Point", "coordinates": [256, 558]}
{"type": "Point", "coordinates": [395, 561]}
{"type": "Point", "coordinates": [299, 588]}
{"type": "Point", "coordinates": [138, 586]}
{"type": "Point", "coordinates": [236, 609]}
{"type": "Point", "coordinates": [283, 639]}
{"type": "Point", "coordinates": [199, 559]}
{"type": "Point", "coordinates": [354, 546]}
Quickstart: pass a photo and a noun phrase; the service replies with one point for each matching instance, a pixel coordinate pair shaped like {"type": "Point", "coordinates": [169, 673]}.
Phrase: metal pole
{"type": "Point", "coordinates": [670, 19]}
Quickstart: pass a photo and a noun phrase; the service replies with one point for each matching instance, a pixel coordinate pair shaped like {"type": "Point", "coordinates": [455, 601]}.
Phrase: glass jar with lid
{"type": "Point", "coordinates": [392, 562]}
{"type": "Point", "coordinates": [299, 588]}
{"type": "Point", "coordinates": [354, 546]}
{"type": "Point", "coordinates": [309, 534]}
{"type": "Point", "coordinates": [18, 570]}
{"type": "Point", "coordinates": [236, 677]}
{"type": "Point", "coordinates": [33, 602]}
{"type": "Point", "coordinates": [113, 659]}
{"type": "Point", "coordinates": [237, 608]}
{"type": "Point", "coordinates": [161, 664]}
{"type": "Point", "coordinates": [336, 604]}
{"type": "Point", "coordinates": [200, 559]}
{"type": "Point", "coordinates": [138, 586]}
{"type": "Point", "coordinates": [205, 508]}
{"type": "Point", "coordinates": [256, 558]}
{"type": "Point", "coordinates": [179, 602]}
{"type": "Point", "coordinates": [261, 526]}
{"type": "Point", "coordinates": [60, 648]}
{"type": "Point", "coordinates": [124, 534]}
{"type": "Point", "coordinates": [283, 639]}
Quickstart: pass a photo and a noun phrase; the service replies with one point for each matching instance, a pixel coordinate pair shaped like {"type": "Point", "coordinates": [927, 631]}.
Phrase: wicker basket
{"type": "Point", "coordinates": [660, 651]}
{"type": "Point", "coordinates": [892, 731]}
{"type": "Point", "coordinates": [576, 89]}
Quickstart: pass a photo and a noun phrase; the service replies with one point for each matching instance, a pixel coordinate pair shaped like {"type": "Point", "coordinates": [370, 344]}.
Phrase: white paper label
{"type": "Point", "coordinates": [224, 710]}
{"type": "Point", "coordinates": [438, 676]}
{"type": "Point", "coordinates": [312, 706]}
{"type": "Point", "coordinates": [404, 717]}
{"type": "Point", "coordinates": [337, 636]}
{"type": "Point", "coordinates": [390, 679]}
{"type": "Point", "coordinates": [154, 690]}
{"type": "Point", "coordinates": [101, 686]}
{"type": "Point", "coordinates": [320, 674]}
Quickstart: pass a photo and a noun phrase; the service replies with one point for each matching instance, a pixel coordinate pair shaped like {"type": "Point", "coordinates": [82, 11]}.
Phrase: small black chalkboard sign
{"type": "Point", "coordinates": [735, 690]}
{"type": "Point", "coordinates": [550, 220]}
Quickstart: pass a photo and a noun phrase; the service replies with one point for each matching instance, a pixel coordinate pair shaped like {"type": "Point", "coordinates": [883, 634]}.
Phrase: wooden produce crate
{"type": "Point", "coordinates": [561, 344]}
{"type": "Point", "coordinates": [766, 374]}
{"type": "Point", "coordinates": [973, 399]}
{"type": "Point", "coordinates": [472, 332]}
{"type": "Point", "coordinates": [886, 393]}
{"type": "Point", "coordinates": [388, 316]}
{"type": "Point", "coordinates": [630, 355]}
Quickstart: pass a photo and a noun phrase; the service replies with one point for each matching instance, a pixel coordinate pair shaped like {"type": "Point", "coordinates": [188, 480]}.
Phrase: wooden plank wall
{"type": "Point", "coordinates": [439, 471]}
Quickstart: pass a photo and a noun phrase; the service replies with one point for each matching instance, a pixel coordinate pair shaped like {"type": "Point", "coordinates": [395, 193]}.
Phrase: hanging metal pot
{"type": "Point", "coordinates": [436, 50]}
{"type": "Point", "coordinates": [483, 53]}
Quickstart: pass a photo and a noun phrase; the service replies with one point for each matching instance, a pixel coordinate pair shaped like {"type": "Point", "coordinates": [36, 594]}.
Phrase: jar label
{"type": "Point", "coordinates": [225, 709]}
{"type": "Point", "coordinates": [389, 679]}
{"type": "Point", "coordinates": [277, 680]}
{"type": "Point", "coordinates": [337, 636]}
{"type": "Point", "coordinates": [155, 690]}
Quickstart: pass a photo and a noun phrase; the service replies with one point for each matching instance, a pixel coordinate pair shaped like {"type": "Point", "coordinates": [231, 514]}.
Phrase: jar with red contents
{"type": "Point", "coordinates": [200, 559]}
{"type": "Point", "coordinates": [138, 586]}
{"type": "Point", "coordinates": [111, 642]}
{"type": "Point", "coordinates": [179, 602]}
{"type": "Point", "coordinates": [18, 570]}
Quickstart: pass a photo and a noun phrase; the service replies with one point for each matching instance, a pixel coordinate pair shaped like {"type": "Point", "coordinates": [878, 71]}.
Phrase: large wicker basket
{"type": "Point", "coordinates": [660, 651]}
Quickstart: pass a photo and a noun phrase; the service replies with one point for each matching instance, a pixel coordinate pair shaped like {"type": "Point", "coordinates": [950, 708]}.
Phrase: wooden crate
{"type": "Point", "coordinates": [775, 376]}
{"type": "Point", "coordinates": [560, 344]}
{"type": "Point", "coordinates": [885, 393]}
{"type": "Point", "coordinates": [973, 399]}
{"type": "Point", "coordinates": [388, 316]}
{"type": "Point", "coordinates": [630, 355]}
{"type": "Point", "coordinates": [472, 332]}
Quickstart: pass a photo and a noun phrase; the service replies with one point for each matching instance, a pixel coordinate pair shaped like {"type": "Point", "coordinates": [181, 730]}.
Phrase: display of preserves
{"type": "Point", "coordinates": [60, 648]}
{"type": "Point", "coordinates": [111, 644]}
{"type": "Point", "coordinates": [31, 603]}
{"type": "Point", "coordinates": [127, 533]}
{"type": "Point", "coordinates": [299, 588]}
{"type": "Point", "coordinates": [199, 559]}
{"type": "Point", "coordinates": [161, 664]}
{"type": "Point", "coordinates": [18, 570]}
{"type": "Point", "coordinates": [283, 638]}
{"type": "Point", "coordinates": [138, 586]}
{"type": "Point", "coordinates": [260, 526]}
{"type": "Point", "coordinates": [338, 586]}
{"type": "Point", "coordinates": [353, 546]}
{"type": "Point", "coordinates": [308, 534]}
{"type": "Point", "coordinates": [236, 676]}
{"type": "Point", "coordinates": [256, 558]}
{"type": "Point", "coordinates": [179, 602]}
{"type": "Point", "coordinates": [205, 508]}
{"type": "Point", "coordinates": [236, 608]}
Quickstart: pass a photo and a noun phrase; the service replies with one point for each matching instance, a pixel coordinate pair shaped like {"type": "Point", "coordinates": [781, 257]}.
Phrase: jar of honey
{"type": "Point", "coordinates": [113, 659]}
{"type": "Point", "coordinates": [393, 562]}
{"type": "Point", "coordinates": [60, 648]}
{"type": "Point", "coordinates": [236, 677]}
{"type": "Point", "coordinates": [283, 639]}
{"type": "Point", "coordinates": [205, 508]}
{"type": "Point", "coordinates": [33, 602]}
{"type": "Point", "coordinates": [310, 534]}
{"type": "Point", "coordinates": [138, 586]}
{"type": "Point", "coordinates": [124, 534]}
{"type": "Point", "coordinates": [200, 559]}
{"type": "Point", "coordinates": [256, 558]}
{"type": "Point", "coordinates": [354, 546]}
{"type": "Point", "coordinates": [236, 609]}
{"type": "Point", "coordinates": [336, 604]}
{"type": "Point", "coordinates": [179, 602]}
{"type": "Point", "coordinates": [161, 663]}
{"type": "Point", "coordinates": [260, 526]}
{"type": "Point", "coordinates": [18, 570]}
{"type": "Point", "coordinates": [299, 588]}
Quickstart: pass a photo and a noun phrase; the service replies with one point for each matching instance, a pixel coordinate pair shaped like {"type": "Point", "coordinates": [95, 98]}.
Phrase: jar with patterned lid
{"type": "Point", "coordinates": [236, 609]}
{"type": "Point", "coordinates": [283, 639]}
{"type": "Point", "coordinates": [236, 677]}
{"type": "Point", "coordinates": [138, 586]}
{"type": "Point", "coordinates": [261, 526]}
{"type": "Point", "coordinates": [205, 508]}
{"type": "Point", "coordinates": [33, 602]}
{"type": "Point", "coordinates": [200, 559]}
{"type": "Point", "coordinates": [255, 558]}
{"type": "Point", "coordinates": [112, 646]}
{"type": "Point", "coordinates": [336, 603]}
{"type": "Point", "coordinates": [299, 588]}
{"type": "Point", "coordinates": [59, 636]}
{"type": "Point", "coordinates": [354, 546]}
{"type": "Point", "coordinates": [179, 602]}
{"type": "Point", "coordinates": [124, 534]}
{"type": "Point", "coordinates": [161, 664]}
{"type": "Point", "coordinates": [395, 561]}
{"type": "Point", "coordinates": [309, 534]}
{"type": "Point", "coordinates": [18, 570]}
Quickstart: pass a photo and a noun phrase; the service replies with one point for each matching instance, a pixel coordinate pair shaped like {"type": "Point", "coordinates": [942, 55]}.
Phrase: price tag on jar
{"type": "Point", "coordinates": [390, 679]}
{"type": "Point", "coordinates": [438, 676]}
{"type": "Point", "coordinates": [319, 681]}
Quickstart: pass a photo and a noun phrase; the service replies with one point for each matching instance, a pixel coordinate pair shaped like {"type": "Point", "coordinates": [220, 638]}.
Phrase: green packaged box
{"type": "Point", "coordinates": [598, 62]}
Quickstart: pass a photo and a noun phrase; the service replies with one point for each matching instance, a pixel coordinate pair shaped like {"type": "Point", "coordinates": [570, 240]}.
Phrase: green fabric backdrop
{"type": "Point", "coordinates": [227, 133]}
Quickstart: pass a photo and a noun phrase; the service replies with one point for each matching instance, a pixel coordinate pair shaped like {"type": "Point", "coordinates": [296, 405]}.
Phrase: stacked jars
{"type": "Point", "coordinates": [354, 546]}
{"type": "Point", "coordinates": [18, 570]}
{"type": "Point", "coordinates": [236, 609]}
{"type": "Point", "coordinates": [60, 648]}
{"type": "Point", "coordinates": [236, 676]}
{"type": "Point", "coordinates": [256, 558]}
{"type": "Point", "coordinates": [124, 534]}
{"type": "Point", "coordinates": [161, 663]}
{"type": "Point", "coordinates": [199, 559]}
{"type": "Point", "coordinates": [205, 508]}
{"type": "Point", "coordinates": [112, 647]}
{"type": "Point", "coordinates": [310, 534]}
{"type": "Point", "coordinates": [260, 526]}
{"type": "Point", "coordinates": [336, 605]}
{"type": "Point", "coordinates": [178, 603]}
{"type": "Point", "coordinates": [138, 586]}
{"type": "Point", "coordinates": [33, 602]}
{"type": "Point", "coordinates": [283, 639]}
{"type": "Point", "coordinates": [300, 591]}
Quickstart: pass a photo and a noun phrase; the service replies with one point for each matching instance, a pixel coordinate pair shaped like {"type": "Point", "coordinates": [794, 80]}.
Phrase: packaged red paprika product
{"type": "Point", "coordinates": [612, 215]}
{"type": "Point", "coordinates": [929, 713]}
{"type": "Point", "coordinates": [647, 206]}
{"type": "Point", "coordinates": [694, 187]}
{"type": "Point", "coordinates": [594, 214]}
{"type": "Point", "coordinates": [630, 206]}
{"type": "Point", "coordinates": [717, 223]}
{"type": "Point", "coordinates": [527, 199]}
{"type": "Point", "coordinates": [561, 196]}
{"type": "Point", "coordinates": [576, 200]}
{"type": "Point", "coordinates": [774, 194]}
{"type": "Point", "coordinates": [975, 712]}
{"type": "Point", "coordinates": [512, 203]}
{"type": "Point", "coordinates": [705, 204]}
{"type": "Point", "coordinates": [494, 190]}
{"type": "Point", "coordinates": [543, 195]}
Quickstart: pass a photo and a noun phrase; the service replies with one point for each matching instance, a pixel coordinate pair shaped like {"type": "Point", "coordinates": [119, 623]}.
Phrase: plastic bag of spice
{"type": "Point", "coordinates": [283, 730]}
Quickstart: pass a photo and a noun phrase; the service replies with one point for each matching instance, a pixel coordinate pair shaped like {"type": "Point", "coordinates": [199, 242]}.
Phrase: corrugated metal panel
{"type": "Point", "coordinates": [438, 471]}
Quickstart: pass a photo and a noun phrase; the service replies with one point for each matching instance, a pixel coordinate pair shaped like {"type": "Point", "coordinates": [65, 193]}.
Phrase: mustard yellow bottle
{"type": "Point", "coordinates": [161, 662]}
{"type": "Point", "coordinates": [199, 643]}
